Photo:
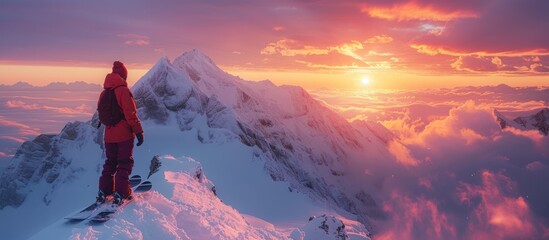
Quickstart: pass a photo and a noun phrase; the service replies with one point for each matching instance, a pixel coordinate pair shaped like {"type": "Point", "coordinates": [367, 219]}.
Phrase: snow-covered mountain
{"type": "Point", "coordinates": [308, 145]}
{"type": "Point", "coordinates": [243, 134]}
{"type": "Point", "coordinates": [538, 121]}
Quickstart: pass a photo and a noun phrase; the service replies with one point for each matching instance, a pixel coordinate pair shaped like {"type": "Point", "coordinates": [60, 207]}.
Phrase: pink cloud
{"type": "Point", "coordinates": [52, 99]}
{"type": "Point", "coordinates": [533, 135]}
{"type": "Point", "coordinates": [498, 215]}
{"type": "Point", "coordinates": [80, 110]}
{"type": "Point", "coordinates": [466, 124]}
{"type": "Point", "coordinates": [279, 28]}
{"type": "Point", "coordinates": [7, 125]}
{"type": "Point", "coordinates": [135, 39]}
{"type": "Point", "coordinates": [413, 10]}
{"type": "Point", "coordinates": [20, 104]}
{"type": "Point", "coordinates": [415, 218]}
{"type": "Point", "coordinates": [470, 176]}
{"type": "Point", "coordinates": [536, 165]}
{"type": "Point", "coordinates": [498, 32]}
{"type": "Point", "coordinates": [14, 139]}
{"type": "Point", "coordinates": [425, 182]}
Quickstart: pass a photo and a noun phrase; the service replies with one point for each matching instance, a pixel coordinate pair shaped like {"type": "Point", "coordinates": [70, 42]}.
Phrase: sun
{"type": "Point", "coordinates": [365, 81]}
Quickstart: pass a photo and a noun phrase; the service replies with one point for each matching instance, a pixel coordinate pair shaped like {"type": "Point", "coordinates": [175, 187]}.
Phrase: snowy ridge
{"type": "Point", "coordinates": [308, 144]}
{"type": "Point", "coordinates": [376, 128]}
{"type": "Point", "coordinates": [45, 161]}
{"type": "Point", "coordinates": [538, 121]}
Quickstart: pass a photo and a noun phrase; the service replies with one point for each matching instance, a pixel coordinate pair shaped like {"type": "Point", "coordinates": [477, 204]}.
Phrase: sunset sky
{"type": "Point", "coordinates": [315, 44]}
{"type": "Point", "coordinates": [436, 75]}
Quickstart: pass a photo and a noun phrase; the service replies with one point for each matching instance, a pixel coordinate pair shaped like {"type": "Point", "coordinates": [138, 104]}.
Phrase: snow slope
{"type": "Point", "coordinates": [182, 206]}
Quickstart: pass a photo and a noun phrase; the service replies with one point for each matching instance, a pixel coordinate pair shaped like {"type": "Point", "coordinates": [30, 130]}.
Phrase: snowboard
{"type": "Point", "coordinates": [88, 211]}
{"type": "Point", "coordinates": [107, 213]}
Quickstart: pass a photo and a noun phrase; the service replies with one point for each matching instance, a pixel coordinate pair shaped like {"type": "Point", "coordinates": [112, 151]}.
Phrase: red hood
{"type": "Point", "coordinates": [114, 80]}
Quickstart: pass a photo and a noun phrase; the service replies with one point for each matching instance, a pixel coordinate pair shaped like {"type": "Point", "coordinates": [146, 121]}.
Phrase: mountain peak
{"type": "Point", "coordinates": [539, 121]}
{"type": "Point", "coordinates": [195, 52]}
{"type": "Point", "coordinates": [199, 67]}
{"type": "Point", "coordinates": [194, 56]}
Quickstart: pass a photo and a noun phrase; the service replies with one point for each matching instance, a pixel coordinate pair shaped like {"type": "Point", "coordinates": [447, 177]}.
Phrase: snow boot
{"type": "Point", "coordinates": [119, 200]}
{"type": "Point", "coordinates": [101, 197]}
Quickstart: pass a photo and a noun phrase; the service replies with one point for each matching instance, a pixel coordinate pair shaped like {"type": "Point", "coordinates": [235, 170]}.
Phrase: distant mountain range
{"type": "Point", "coordinates": [72, 86]}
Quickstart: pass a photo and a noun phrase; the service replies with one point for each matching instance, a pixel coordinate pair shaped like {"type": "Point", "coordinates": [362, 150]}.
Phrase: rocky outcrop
{"type": "Point", "coordinates": [41, 160]}
{"type": "Point", "coordinates": [538, 121]}
{"type": "Point", "coordinates": [327, 227]}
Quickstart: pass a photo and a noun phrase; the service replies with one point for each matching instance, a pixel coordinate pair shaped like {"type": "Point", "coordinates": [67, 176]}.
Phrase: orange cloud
{"type": "Point", "coordinates": [433, 50]}
{"type": "Point", "coordinates": [414, 11]}
{"type": "Point", "coordinates": [353, 49]}
{"type": "Point", "coordinates": [289, 47]}
{"type": "Point", "coordinates": [325, 66]}
{"type": "Point", "coordinates": [482, 64]}
{"type": "Point", "coordinates": [470, 136]}
{"type": "Point", "coordinates": [379, 39]}
{"type": "Point", "coordinates": [349, 49]}
{"type": "Point", "coordinates": [402, 154]}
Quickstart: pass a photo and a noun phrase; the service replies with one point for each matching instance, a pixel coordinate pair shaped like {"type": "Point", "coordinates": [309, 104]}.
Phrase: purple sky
{"type": "Point", "coordinates": [391, 41]}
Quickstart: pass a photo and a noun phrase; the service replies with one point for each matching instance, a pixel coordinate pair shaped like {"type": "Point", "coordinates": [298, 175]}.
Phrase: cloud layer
{"type": "Point", "coordinates": [27, 111]}
{"type": "Point", "coordinates": [461, 176]}
{"type": "Point", "coordinates": [458, 174]}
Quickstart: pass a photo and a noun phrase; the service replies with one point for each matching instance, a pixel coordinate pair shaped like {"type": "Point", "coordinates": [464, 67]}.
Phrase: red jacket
{"type": "Point", "coordinates": [128, 127]}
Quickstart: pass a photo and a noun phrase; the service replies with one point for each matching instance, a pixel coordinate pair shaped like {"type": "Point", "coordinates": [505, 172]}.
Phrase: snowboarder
{"type": "Point", "coordinates": [122, 126]}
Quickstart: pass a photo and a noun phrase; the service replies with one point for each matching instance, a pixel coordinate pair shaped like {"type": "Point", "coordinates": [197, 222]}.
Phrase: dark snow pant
{"type": "Point", "coordinates": [117, 169]}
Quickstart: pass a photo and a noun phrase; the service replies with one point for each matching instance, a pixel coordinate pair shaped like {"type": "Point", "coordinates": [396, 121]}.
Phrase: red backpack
{"type": "Point", "coordinates": [109, 110]}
